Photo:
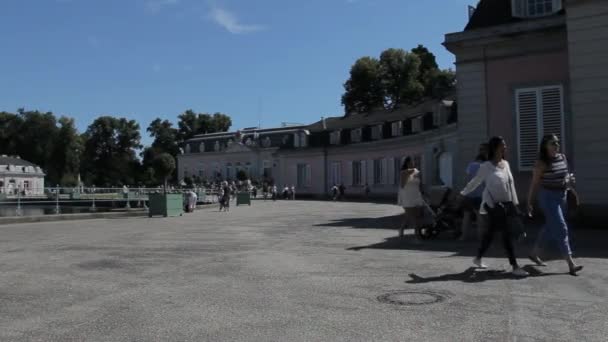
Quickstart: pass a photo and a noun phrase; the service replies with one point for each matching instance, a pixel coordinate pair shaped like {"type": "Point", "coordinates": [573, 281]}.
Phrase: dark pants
{"type": "Point", "coordinates": [497, 221]}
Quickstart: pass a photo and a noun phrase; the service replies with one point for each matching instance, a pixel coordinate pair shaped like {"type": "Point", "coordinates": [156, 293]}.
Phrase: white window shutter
{"type": "Point", "coordinates": [519, 8]}
{"type": "Point", "coordinates": [384, 171]}
{"type": "Point", "coordinates": [348, 176]}
{"type": "Point", "coordinates": [553, 112]}
{"type": "Point", "coordinates": [308, 175]}
{"type": "Point", "coordinates": [527, 127]}
{"type": "Point", "coordinates": [370, 172]}
{"type": "Point", "coordinates": [557, 5]}
{"type": "Point", "coordinates": [363, 172]}
{"type": "Point", "coordinates": [391, 171]}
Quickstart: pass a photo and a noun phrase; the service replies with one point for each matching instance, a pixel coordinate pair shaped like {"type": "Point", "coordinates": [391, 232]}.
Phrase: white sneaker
{"type": "Point", "coordinates": [477, 262]}
{"type": "Point", "coordinates": [520, 272]}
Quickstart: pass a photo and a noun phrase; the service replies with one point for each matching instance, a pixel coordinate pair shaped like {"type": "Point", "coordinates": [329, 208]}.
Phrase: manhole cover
{"type": "Point", "coordinates": [412, 298]}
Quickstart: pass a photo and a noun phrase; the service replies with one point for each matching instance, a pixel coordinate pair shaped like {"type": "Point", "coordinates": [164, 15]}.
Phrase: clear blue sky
{"type": "Point", "coordinates": [144, 59]}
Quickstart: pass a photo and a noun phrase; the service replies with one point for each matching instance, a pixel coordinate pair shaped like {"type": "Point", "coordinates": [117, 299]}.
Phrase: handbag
{"type": "Point", "coordinates": [509, 212]}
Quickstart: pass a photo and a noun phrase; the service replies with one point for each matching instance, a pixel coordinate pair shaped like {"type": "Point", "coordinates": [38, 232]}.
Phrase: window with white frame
{"type": "Point", "coordinates": [334, 138]}
{"type": "Point", "coordinates": [300, 139]}
{"type": "Point", "coordinates": [397, 165]}
{"type": "Point", "coordinates": [377, 132]}
{"type": "Point", "coordinates": [397, 128]}
{"type": "Point", "coordinates": [417, 124]}
{"type": "Point", "coordinates": [540, 111]}
{"type": "Point", "coordinates": [355, 135]}
{"type": "Point", "coordinates": [535, 8]}
{"type": "Point", "coordinates": [357, 173]}
{"type": "Point", "coordinates": [304, 176]}
{"type": "Point", "coordinates": [336, 173]}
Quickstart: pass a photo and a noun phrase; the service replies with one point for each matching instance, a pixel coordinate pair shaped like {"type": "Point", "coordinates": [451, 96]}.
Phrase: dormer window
{"type": "Point", "coordinates": [356, 135]}
{"type": "Point", "coordinates": [417, 124]}
{"type": "Point", "coordinates": [535, 8]}
{"type": "Point", "coordinates": [334, 138]}
{"type": "Point", "coordinates": [377, 132]}
{"type": "Point", "coordinates": [397, 128]}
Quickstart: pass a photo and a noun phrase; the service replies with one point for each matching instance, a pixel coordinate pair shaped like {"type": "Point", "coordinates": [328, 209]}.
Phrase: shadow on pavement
{"type": "Point", "coordinates": [584, 243]}
{"type": "Point", "coordinates": [473, 275]}
{"type": "Point", "coordinates": [387, 222]}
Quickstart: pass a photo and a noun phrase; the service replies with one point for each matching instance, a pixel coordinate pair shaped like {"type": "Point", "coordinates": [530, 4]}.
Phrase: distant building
{"type": "Point", "coordinates": [526, 68]}
{"type": "Point", "coordinates": [353, 150]}
{"type": "Point", "coordinates": [20, 176]}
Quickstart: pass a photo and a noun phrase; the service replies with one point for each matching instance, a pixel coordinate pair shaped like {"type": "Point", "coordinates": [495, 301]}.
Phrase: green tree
{"type": "Point", "coordinates": [109, 151]}
{"type": "Point", "coordinates": [10, 126]}
{"type": "Point", "coordinates": [164, 165]}
{"type": "Point", "coordinates": [399, 73]}
{"type": "Point", "coordinates": [35, 140]}
{"type": "Point", "coordinates": [190, 124]}
{"type": "Point", "coordinates": [241, 175]}
{"type": "Point", "coordinates": [443, 83]}
{"type": "Point", "coordinates": [67, 152]}
{"type": "Point", "coordinates": [363, 90]}
{"type": "Point", "coordinates": [165, 137]}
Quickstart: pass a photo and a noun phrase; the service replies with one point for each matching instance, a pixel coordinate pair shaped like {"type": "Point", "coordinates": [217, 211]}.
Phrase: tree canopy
{"type": "Point", "coordinates": [397, 77]}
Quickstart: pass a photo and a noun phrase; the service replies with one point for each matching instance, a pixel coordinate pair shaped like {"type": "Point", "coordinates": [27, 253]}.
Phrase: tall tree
{"type": "Point", "coordinates": [10, 126]}
{"type": "Point", "coordinates": [165, 136]}
{"type": "Point", "coordinates": [109, 151]}
{"type": "Point", "coordinates": [399, 73]}
{"type": "Point", "coordinates": [363, 90]}
{"type": "Point", "coordinates": [36, 137]}
{"type": "Point", "coordinates": [190, 124]}
{"type": "Point", "coordinates": [66, 155]}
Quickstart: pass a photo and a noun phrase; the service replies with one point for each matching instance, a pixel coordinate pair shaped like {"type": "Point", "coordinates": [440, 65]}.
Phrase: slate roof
{"type": "Point", "coordinates": [377, 117]}
{"type": "Point", "coordinates": [5, 160]}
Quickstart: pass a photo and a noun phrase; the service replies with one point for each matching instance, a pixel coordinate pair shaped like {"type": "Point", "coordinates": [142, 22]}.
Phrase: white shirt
{"type": "Point", "coordinates": [499, 183]}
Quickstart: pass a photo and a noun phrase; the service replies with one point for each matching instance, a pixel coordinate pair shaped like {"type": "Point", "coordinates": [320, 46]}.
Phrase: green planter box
{"type": "Point", "coordinates": [166, 205]}
{"type": "Point", "coordinates": [243, 198]}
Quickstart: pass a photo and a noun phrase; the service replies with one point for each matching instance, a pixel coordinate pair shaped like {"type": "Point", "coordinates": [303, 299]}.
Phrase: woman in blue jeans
{"type": "Point", "coordinates": [550, 181]}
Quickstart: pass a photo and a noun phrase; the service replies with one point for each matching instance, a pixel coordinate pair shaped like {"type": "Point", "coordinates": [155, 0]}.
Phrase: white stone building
{"type": "Point", "coordinates": [18, 175]}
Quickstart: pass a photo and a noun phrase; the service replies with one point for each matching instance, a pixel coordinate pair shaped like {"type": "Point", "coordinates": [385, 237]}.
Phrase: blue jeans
{"type": "Point", "coordinates": [553, 204]}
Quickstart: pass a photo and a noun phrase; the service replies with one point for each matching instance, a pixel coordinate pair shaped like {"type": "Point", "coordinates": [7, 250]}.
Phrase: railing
{"type": "Point", "coordinates": [61, 196]}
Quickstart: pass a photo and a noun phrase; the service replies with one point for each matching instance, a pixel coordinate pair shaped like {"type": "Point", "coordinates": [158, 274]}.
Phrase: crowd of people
{"type": "Point", "coordinates": [491, 197]}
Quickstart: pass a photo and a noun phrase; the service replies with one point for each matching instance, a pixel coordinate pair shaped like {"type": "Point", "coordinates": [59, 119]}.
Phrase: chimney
{"type": "Point", "coordinates": [323, 122]}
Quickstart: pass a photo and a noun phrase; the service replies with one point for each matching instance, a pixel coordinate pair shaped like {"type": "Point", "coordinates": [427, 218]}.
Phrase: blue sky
{"type": "Point", "coordinates": [281, 60]}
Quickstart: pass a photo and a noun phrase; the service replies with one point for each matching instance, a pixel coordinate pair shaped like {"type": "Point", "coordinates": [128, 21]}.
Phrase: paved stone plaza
{"type": "Point", "coordinates": [284, 271]}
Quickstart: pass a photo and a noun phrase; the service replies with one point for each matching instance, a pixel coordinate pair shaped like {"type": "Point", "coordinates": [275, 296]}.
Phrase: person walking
{"type": "Point", "coordinates": [499, 201]}
{"type": "Point", "coordinates": [552, 176]}
{"type": "Point", "coordinates": [472, 202]}
{"type": "Point", "coordinates": [335, 192]}
{"type": "Point", "coordinates": [410, 197]}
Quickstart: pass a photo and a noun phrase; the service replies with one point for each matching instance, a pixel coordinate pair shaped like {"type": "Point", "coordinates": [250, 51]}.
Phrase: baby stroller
{"type": "Point", "coordinates": [445, 217]}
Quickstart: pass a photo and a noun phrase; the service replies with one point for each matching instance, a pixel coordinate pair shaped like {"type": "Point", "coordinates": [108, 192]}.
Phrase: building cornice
{"type": "Point", "coordinates": [496, 34]}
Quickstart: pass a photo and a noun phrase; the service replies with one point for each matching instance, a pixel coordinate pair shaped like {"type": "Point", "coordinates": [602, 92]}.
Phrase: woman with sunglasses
{"type": "Point", "coordinates": [551, 180]}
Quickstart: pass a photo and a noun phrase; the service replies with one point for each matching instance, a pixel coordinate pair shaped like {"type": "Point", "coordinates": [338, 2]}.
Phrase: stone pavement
{"type": "Point", "coordinates": [284, 271]}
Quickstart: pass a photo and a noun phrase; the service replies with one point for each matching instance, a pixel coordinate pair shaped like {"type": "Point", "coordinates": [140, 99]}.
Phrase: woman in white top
{"type": "Point", "coordinates": [499, 193]}
{"type": "Point", "coordinates": [410, 196]}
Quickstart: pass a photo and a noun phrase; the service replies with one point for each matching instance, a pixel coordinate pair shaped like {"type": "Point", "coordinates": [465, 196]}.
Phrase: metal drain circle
{"type": "Point", "coordinates": [412, 298]}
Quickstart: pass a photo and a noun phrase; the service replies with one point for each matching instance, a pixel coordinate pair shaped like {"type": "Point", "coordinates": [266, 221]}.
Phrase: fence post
{"type": "Point", "coordinates": [18, 202]}
{"type": "Point", "coordinates": [93, 205]}
{"type": "Point", "coordinates": [128, 206]}
{"type": "Point", "coordinates": [57, 199]}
